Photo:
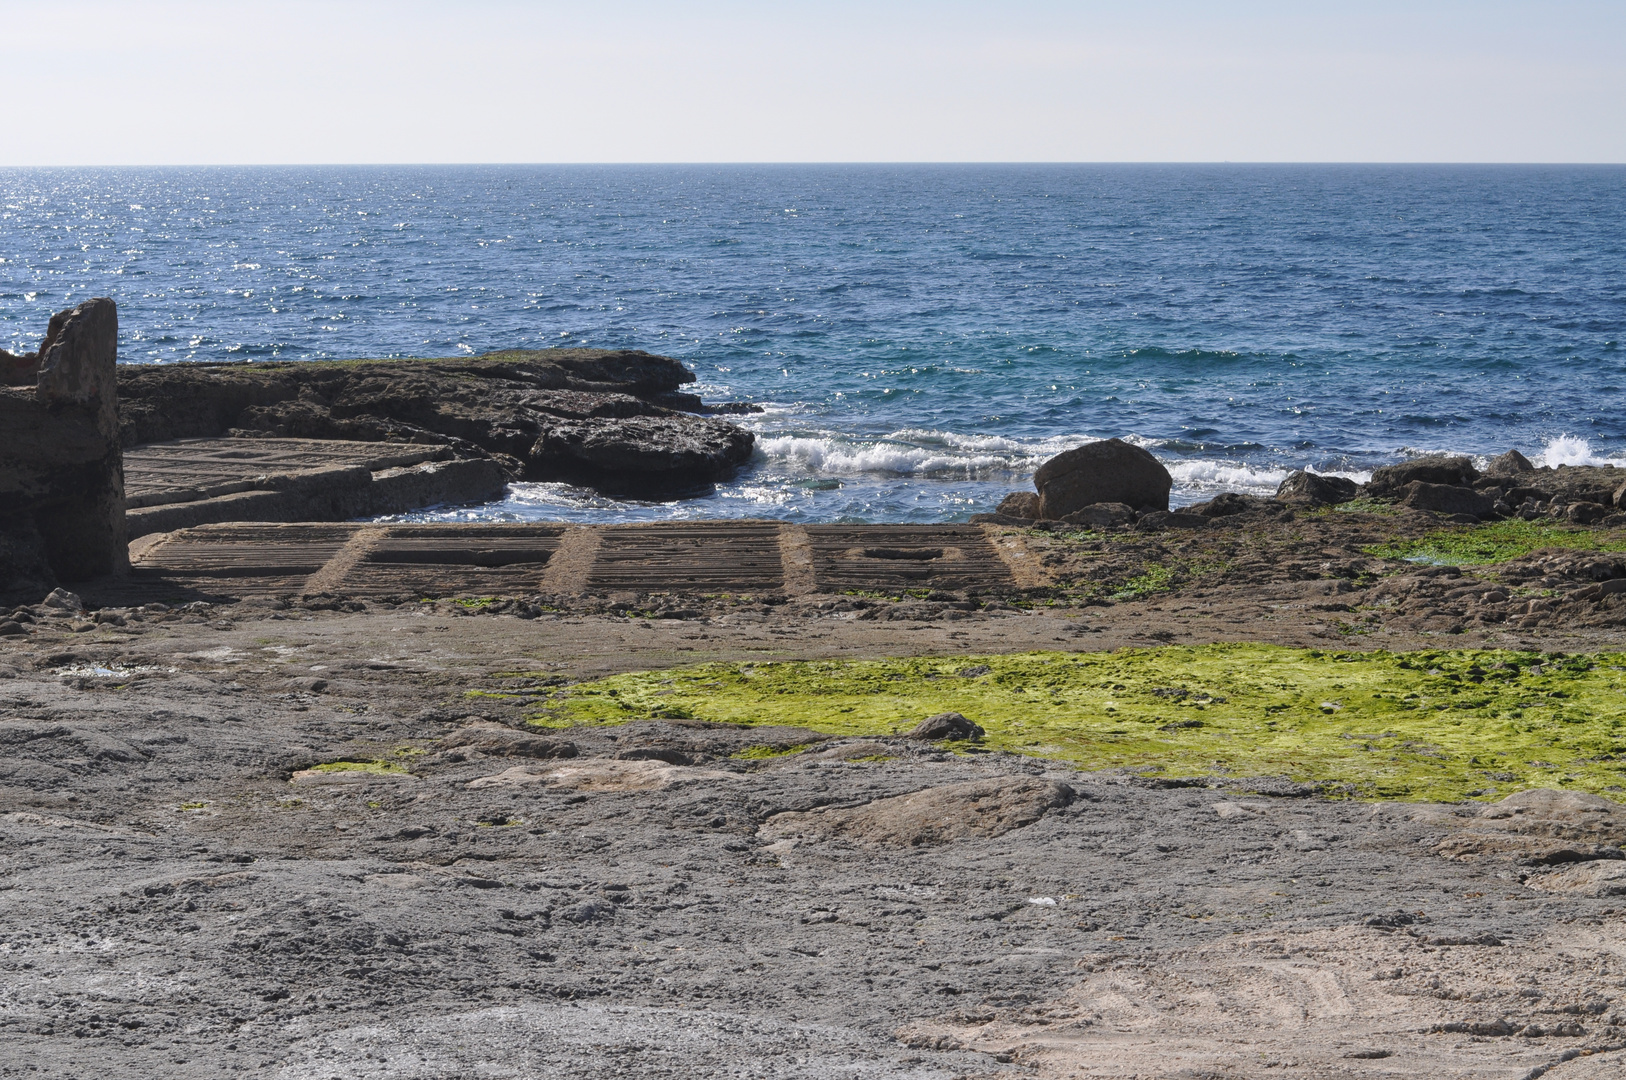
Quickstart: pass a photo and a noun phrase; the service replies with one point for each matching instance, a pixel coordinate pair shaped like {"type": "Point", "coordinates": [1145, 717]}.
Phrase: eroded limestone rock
{"type": "Point", "coordinates": [61, 470]}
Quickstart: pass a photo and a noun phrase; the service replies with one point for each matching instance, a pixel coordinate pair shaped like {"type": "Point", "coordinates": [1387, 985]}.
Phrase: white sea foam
{"type": "Point", "coordinates": [1573, 450]}
{"type": "Point", "coordinates": [925, 453]}
{"type": "Point", "coordinates": [907, 453]}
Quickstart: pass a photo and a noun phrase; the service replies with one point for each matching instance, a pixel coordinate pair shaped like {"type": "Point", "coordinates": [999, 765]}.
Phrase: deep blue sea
{"type": "Point", "coordinates": [921, 337]}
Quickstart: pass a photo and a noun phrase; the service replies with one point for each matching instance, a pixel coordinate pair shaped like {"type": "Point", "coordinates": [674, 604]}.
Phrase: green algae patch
{"type": "Point", "coordinates": [1497, 542]}
{"type": "Point", "coordinates": [381, 767]}
{"type": "Point", "coordinates": [1439, 725]}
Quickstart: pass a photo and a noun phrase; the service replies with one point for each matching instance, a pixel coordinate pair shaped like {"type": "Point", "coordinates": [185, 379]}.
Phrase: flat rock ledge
{"type": "Point", "coordinates": [613, 420]}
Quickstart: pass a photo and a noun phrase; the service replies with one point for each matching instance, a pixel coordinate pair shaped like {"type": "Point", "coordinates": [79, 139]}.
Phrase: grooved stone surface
{"type": "Point", "coordinates": [185, 470]}
{"type": "Point", "coordinates": [893, 556]}
{"type": "Point", "coordinates": [721, 556]}
{"type": "Point", "coordinates": [446, 560]}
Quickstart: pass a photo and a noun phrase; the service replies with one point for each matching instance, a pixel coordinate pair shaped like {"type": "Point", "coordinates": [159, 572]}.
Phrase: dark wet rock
{"type": "Point", "coordinates": [1390, 480]}
{"type": "Point", "coordinates": [639, 448]}
{"type": "Point", "coordinates": [1312, 489]}
{"type": "Point", "coordinates": [936, 815]}
{"type": "Point", "coordinates": [1229, 504]}
{"type": "Point", "coordinates": [1509, 464]}
{"type": "Point", "coordinates": [593, 416]}
{"type": "Point", "coordinates": [1110, 471]}
{"type": "Point", "coordinates": [1446, 499]}
{"type": "Point", "coordinates": [1102, 516]}
{"type": "Point", "coordinates": [1585, 513]}
{"type": "Point", "coordinates": [1019, 504]}
{"type": "Point", "coordinates": [61, 471]}
{"type": "Point", "coordinates": [948, 725]}
{"type": "Point", "coordinates": [1163, 519]}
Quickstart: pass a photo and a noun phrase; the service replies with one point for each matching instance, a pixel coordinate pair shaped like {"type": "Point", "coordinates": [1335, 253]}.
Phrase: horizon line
{"type": "Point", "coordinates": [811, 163]}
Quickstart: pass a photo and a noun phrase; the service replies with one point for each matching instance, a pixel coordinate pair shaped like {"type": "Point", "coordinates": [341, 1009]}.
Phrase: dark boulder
{"type": "Point", "coordinates": [1305, 488]}
{"type": "Point", "coordinates": [1388, 481]}
{"type": "Point", "coordinates": [1446, 499]}
{"type": "Point", "coordinates": [1019, 504]}
{"type": "Point", "coordinates": [949, 725]}
{"type": "Point", "coordinates": [1110, 471]}
{"type": "Point", "coordinates": [1585, 513]}
{"type": "Point", "coordinates": [1509, 464]}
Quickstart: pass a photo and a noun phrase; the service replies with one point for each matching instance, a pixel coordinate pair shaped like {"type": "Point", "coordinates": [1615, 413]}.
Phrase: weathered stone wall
{"type": "Point", "coordinates": [61, 469]}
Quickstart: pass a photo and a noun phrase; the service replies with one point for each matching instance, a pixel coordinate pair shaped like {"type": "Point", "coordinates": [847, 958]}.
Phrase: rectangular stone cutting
{"type": "Point", "coordinates": [692, 557]}
{"type": "Point", "coordinates": [238, 559]}
{"type": "Point", "coordinates": [454, 560]}
{"type": "Point", "coordinates": [903, 557]}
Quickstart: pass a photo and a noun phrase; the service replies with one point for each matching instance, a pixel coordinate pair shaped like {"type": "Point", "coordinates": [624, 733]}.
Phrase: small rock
{"type": "Point", "coordinates": [1585, 513]}
{"type": "Point", "coordinates": [1306, 488]}
{"type": "Point", "coordinates": [1509, 464]}
{"type": "Point", "coordinates": [1101, 516]}
{"type": "Point", "coordinates": [63, 600]}
{"type": "Point", "coordinates": [948, 725]}
{"type": "Point", "coordinates": [1019, 504]}
{"type": "Point", "coordinates": [1446, 499]}
{"type": "Point", "coordinates": [1230, 503]}
{"type": "Point", "coordinates": [11, 629]}
{"type": "Point", "coordinates": [974, 671]}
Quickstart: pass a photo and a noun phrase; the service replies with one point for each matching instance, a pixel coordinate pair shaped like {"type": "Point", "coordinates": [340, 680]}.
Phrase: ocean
{"type": "Point", "coordinates": [919, 337]}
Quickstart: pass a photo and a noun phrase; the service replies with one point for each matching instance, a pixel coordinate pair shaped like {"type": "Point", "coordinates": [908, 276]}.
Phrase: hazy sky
{"type": "Point", "coordinates": [883, 80]}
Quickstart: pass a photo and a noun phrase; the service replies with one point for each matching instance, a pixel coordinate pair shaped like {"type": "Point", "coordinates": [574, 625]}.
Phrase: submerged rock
{"type": "Point", "coordinates": [1110, 471]}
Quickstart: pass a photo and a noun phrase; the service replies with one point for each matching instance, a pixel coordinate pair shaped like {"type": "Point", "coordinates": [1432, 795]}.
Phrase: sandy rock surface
{"type": "Point", "coordinates": [178, 905]}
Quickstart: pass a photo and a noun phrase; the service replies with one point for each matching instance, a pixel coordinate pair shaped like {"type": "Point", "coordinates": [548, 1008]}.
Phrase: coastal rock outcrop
{"type": "Point", "coordinates": [1109, 471]}
{"type": "Point", "coordinates": [612, 419]}
{"type": "Point", "coordinates": [61, 470]}
{"type": "Point", "coordinates": [1389, 481]}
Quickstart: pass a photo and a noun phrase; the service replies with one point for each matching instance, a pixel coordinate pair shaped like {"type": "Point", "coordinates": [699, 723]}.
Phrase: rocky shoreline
{"type": "Point", "coordinates": [310, 801]}
{"type": "Point", "coordinates": [617, 420]}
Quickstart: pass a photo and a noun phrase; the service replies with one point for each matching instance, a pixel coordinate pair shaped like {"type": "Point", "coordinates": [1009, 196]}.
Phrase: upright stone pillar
{"type": "Point", "coordinates": [61, 470]}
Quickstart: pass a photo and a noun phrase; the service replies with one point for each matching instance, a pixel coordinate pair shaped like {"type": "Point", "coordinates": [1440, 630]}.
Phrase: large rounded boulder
{"type": "Point", "coordinates": [1110, 471]}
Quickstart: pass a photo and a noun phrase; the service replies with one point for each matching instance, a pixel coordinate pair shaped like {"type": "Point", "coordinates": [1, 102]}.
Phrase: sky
{"type": "Point", "coordinates": [244, 82]}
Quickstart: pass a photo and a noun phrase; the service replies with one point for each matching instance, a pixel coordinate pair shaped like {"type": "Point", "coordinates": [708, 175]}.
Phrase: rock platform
{"type": "Point", "coordinates": [239, 560]}
{"type": "Point", "coordinates": [187, 482]}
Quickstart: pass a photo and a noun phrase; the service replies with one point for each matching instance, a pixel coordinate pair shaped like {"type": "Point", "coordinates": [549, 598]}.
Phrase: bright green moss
{"type": "Point", "coordinates": [1497, 541]}
{"type": "Point", "coordinates": [359, 766]}
{"type": "Point", "coordinates": [1374, 724]}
